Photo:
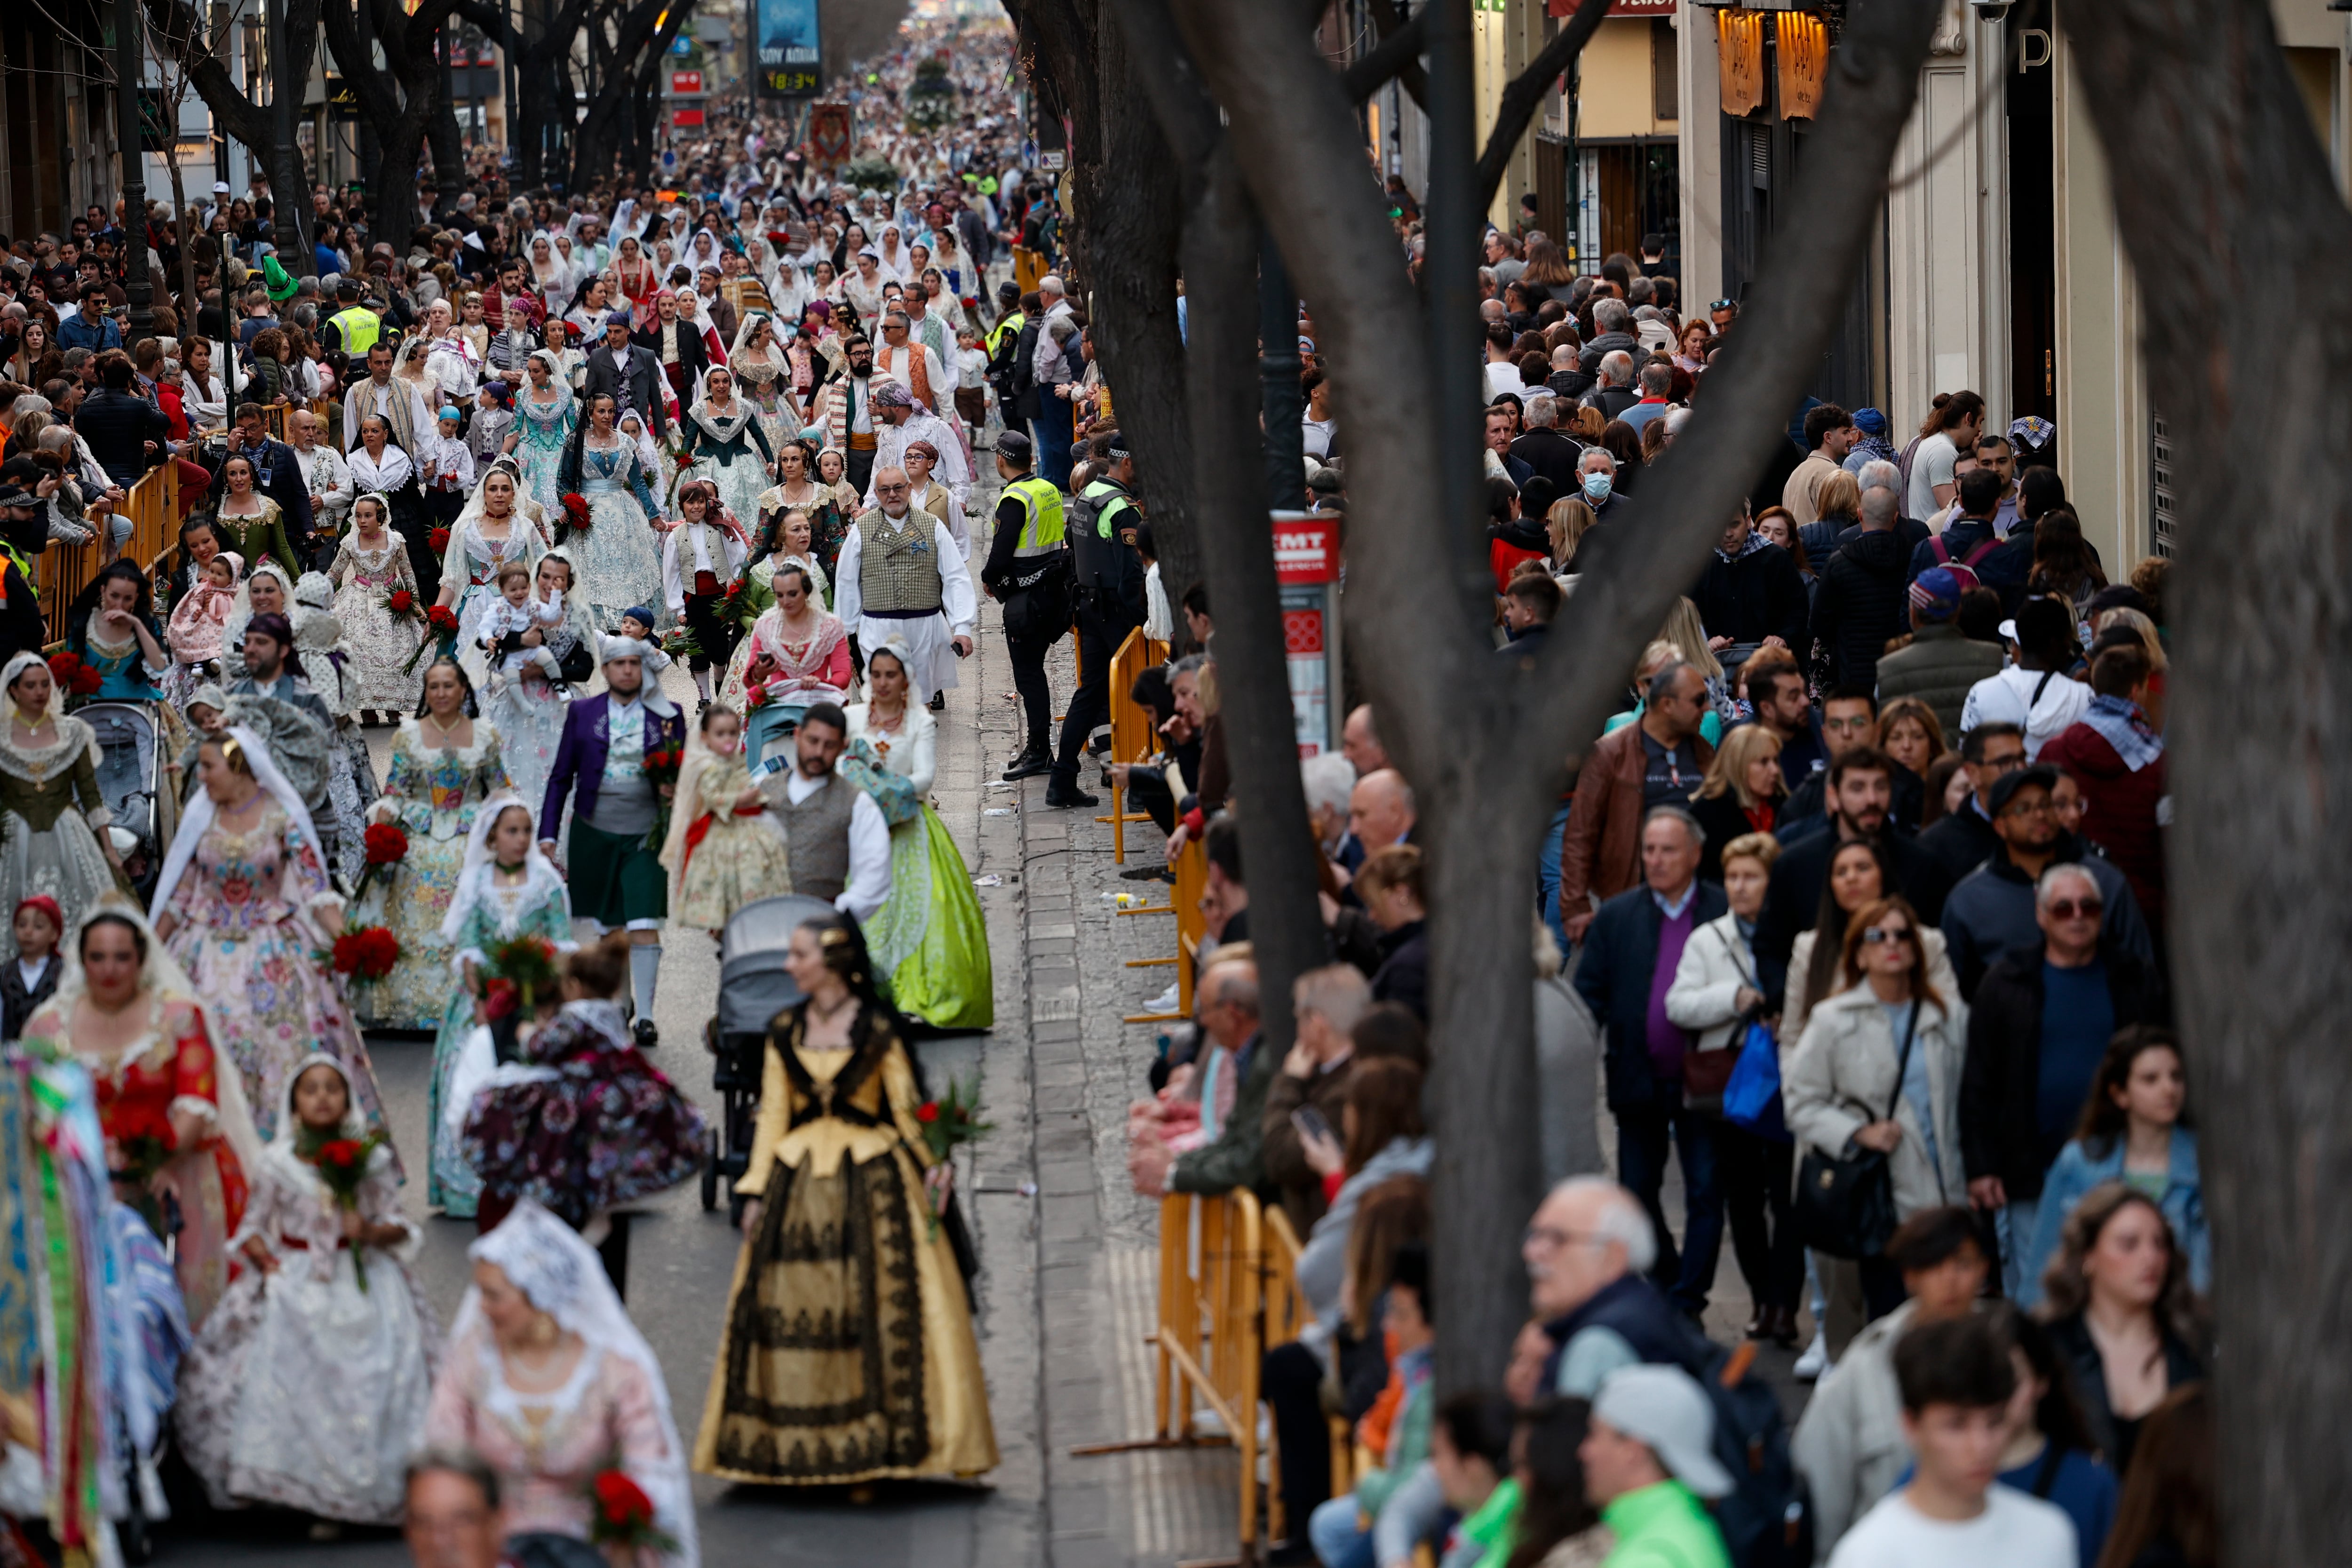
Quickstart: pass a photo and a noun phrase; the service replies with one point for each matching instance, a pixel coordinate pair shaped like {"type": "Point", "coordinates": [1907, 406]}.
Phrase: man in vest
{"type": "Point", "coordinates": [840, 841]}
{"type": "Point", "coordinates": [1028, 569]}
{"type": "Point", "coordinates": [1108, 572]}
{"type": "Point", "coordinates": [844, 409]}
{"type": "Point", "coordinates": [902, 575]}
{"type": "Point", "coordinates": [403, 410]}
{"type": "Point", "coordinates": [356, 328]}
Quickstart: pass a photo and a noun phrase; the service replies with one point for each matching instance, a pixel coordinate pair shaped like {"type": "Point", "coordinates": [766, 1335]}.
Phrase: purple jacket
{"type": "Point", "coordinates": [580, 755]}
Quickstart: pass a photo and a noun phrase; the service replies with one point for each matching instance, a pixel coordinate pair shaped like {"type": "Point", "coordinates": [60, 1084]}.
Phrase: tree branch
{"type": "Point", "coordinates": [1412, 77]}
{"type": "Point", "coordinates": [1397, 55]}
{"type": "Point", "coordinates": [1526, 93]}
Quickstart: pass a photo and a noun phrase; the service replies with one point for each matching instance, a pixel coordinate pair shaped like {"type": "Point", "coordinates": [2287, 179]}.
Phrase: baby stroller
{"type": "Point", "coordinates": [753, 987]}
{"type": "Point", "coordinates": [133, 756]}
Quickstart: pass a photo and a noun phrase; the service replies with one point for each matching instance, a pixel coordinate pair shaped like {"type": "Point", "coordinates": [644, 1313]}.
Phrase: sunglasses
{"type": "Point", "coordinates": [1725, 305]}
{"type": "Point", "coordinates": [1875, 936]}
{"type": "Point", "coordinates": [2090, 909]}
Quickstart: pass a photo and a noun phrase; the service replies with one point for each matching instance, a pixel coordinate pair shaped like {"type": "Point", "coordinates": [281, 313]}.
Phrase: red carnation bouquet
{"type": "Point", "coordinates": [74, 678]}
{"type": "Point", "coordinates": [948, 1123]}
{"type": "Point", "coordinates": [438, 540]}
{"type": "Point", "coordinates": [442, 622]}
{"type": "Point", "coordinates": [387, 844]}
{"type": "Point", "coordinates": [366, 954]}
{"type": "Point", "coordinates": [661, 764]}
{"type": "Point", "coordinates": [342, 1165]}
{"type": "Point", "coordinates": [525, 966]}
{"type": "Point", "coordinates": [624, 1515]}
{"type": "Point", "coordinates": [402, 604]}
{"type": "Point", "coordinates": [577, 519]}
{"type": "Point", "coordinates": [755, 699]}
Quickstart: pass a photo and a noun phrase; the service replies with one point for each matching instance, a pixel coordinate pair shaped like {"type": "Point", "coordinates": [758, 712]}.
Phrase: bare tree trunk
{"type": "Point", "coordinates": [2225, 203]}
{"type": "Point", "coordinates": [449, 152]}
{"type": "Point", "coordinates": [1486, 745]}
{"type": "Point", "coordinates": [397, 106]}
{"type": "Point", "coordinates": [177, 29]}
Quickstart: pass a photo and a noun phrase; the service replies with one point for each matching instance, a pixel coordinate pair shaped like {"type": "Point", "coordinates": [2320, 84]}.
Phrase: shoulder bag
{"type": "Point", "coordinates": [1845, 1204]}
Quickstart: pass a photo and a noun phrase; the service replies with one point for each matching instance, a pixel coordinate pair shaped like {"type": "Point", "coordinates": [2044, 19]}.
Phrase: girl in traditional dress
{"type": "Point", "coordinates": [550, 1384]}
{"type": "Point", "coordinates": [797, 654]}
{"type": "Point", "coordinates": [726, 445]}
{"type": "Point", "coordinates": [379, 466]}
{"type": "Point", "coordinates": [527, 707]}
{"type": "Point", "coordinates": [896, 1390]}
{"type": "Point", "coordinates": [308, 1386]}
{"type": "Point", "coordinates": [820, 510]}
{"type": "Point", "coordinates": [247, 521]}
{"type": "Point", "coordinates": [199, 623]}
{"type": "Point", "coordinates": [929, 940]}
{"type": "Point", "coordinates": [129, 1014]}
{"type": "Point", "coordinates": [245, 905]}
{"type": "Point", "coordinates": [719, 854]}
{"type": "Point", "coordinates": [760, 371]}
{"type": "Point", "coordinates": [619, 559]}
{"type": "Point", "coordinates": [507, 889]}
{"type": "Point", "coordinates": [53, 821]}
{"type": "Point", "coordinates": [490, 532]}
{"type": "Point", "coordinates": [636, 275]}
{"type": "Point", "coordinates": [110, 634]}
{"type": "Point", "coordinates": [371, 565]}
{"type": "Point", "coordinates": [544, 418]}
{"type": "Point", "coordinates": [833, 473]}
{"type": "Point", "coordinates": [550, 275]}
{"type": "Point", "coordinates": [267, 590]}
{"type": "Point", "coordinates": [701, 559]}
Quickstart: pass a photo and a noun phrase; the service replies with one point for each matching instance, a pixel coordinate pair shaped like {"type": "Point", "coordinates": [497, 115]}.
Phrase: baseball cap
{"type": "Point", "coordinates": [1664, 1408]}
{"type": "Point", "coordinates": [1936, 594]}
{"type": "Point", "coordinates": [2004, 789]}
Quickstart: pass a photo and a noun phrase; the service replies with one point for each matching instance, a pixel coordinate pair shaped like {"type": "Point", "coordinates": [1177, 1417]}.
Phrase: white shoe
{"type": "Point", "coordinates": [1815, 1361]}
{"type": "Point", "coordinates": [1163, 1003]}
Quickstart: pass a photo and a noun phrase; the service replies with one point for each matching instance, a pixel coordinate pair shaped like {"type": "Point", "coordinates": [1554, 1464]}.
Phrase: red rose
{"type": "Point", "coordinates": [401, 602]}
{"type": "Point", "coordinates": [755, 699]}
{"type": "Point", "coordinates": [385, 844]}
{"type": "Point", "coordinates": [499, 998]}
{"type": "Point", "coordinates": [621, 1501]}
{"type": "Point", "coordinates": [443, 617]}
{"type": "Point", "coordinates": [343, 1153]}
{"type": "Point", "coordinates": [438, 540]}
{"type": "Point", "coordinates": [928, 1111]}
{"type": "Point", "coordinates": [85, 682]}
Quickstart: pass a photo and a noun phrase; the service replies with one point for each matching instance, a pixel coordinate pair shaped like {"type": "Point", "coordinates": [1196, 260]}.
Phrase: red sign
{"type": "Point", "coordinates": [829, 131]}
{"type": "Point", "coordinates": [683, 117]}
{"type": "Point", "coordinates": [1302, 631]}
{"type": "Point", "coordinates": [1306, 549]}
{"type": "Point", "coordinates": [687, 82]}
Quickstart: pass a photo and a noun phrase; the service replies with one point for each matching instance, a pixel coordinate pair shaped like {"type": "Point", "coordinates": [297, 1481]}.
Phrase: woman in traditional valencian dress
{"type": "Point", "coordinates": [797, 654]}
{"type": "Point", "coordinates": [619, 559]}
{"type": "Point", "coordinates": [545, 417]}
{"type": "Point", "coordinates": [796, 489]}
{"type": "Point", "coordinates": [763, 377]}
{"type": "Point", "coordinates": [126, 1011]}
{"type": "Point", "coordinates": [244, 907]}
{"type": "Point", "coordinates": [895, 1389]}
{"type": "Point", "coordinates": [445, 763]}
{"type": "Point", "coordinates": [306, 1388]}
{"type": "Point", "coordinates": [550, 1384]}
{"type": "Point", "coordinates": [726, 445]}
{"type": "Point", "coordinates": [490, 531]}
{"type": "Point", "coordinates": [371, 565]}
{"type": "Point", "coordinates": [53, 821]}
{"type": "Point", "coordinates": [526, 705]}
{"type": "Point", "coordinates": [929, 940]}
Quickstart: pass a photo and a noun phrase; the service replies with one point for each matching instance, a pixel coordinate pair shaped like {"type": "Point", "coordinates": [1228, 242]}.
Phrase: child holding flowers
{"type": "Point", "coordinates": [308, 1385]}
{"type": "Point", "coordinates": [725, 848]}
{"type": "Point", "coordinates": [378, 602]}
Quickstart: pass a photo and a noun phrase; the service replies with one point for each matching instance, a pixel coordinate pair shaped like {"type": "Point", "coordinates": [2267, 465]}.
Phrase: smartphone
{"type": "Point", "coordinates": [1311, 1124]}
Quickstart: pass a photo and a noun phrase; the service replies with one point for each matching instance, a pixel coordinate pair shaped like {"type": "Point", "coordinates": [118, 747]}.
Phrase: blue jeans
{"type": "Point", "coordinates": [1336, 1540]}
{"type": "Point", "coordinates": [1547, 878]}
{"type": "Point", "coordinates": [2014, 1226]}
{"type": "Point", "coordinates": [1642, 1137]}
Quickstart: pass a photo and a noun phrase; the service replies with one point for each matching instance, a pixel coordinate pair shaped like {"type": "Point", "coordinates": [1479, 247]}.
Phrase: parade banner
{"type": "Point", "coordinates": [785, 32]}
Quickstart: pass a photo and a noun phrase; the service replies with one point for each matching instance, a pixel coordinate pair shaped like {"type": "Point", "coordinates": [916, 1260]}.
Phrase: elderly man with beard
{"type": "Point", "coordinates": [903, 422]}
{"type": "Point", "coordinates": [845, 411]}
{"type": "Point", "coordinates": [901, 573]}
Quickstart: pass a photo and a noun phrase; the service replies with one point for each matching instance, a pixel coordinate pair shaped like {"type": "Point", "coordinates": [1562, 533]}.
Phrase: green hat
{"type": "Point", "coordinates": [276, 279]}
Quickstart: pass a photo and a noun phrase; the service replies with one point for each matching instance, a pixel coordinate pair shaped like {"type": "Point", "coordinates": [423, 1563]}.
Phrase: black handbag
{"type": "Point", "coordinates": [1845, 1204]}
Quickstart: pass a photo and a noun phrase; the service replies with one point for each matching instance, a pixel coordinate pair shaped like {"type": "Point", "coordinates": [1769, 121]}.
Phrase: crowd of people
{"type": "Point", "coordinates": [469, 505]}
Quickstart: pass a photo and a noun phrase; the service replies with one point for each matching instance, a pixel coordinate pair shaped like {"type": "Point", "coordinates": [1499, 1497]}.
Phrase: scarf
{"type": "Point", "coordinates": [1755, 543]}
{"type": "Point", "coordinates": [2120, 723]}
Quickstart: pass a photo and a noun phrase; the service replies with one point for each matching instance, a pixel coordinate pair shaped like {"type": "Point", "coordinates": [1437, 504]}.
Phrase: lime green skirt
{"type": "Point", "coordinates": [929, 937]}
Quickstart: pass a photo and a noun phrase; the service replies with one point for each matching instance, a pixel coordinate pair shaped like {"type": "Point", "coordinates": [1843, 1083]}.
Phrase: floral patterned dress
{"type": "Point", "coordinates": [619, 559]}
{"type": "Point", "coordinates": [381, 642]}
{"type": "Point", "coordinates": [243, 929]}
{"type": "Point", "coordinates": [546, 430]}
{"type": "Point", "coordinates": [474, 560]}
{"type": "Point", "coordinates": [431, 793]}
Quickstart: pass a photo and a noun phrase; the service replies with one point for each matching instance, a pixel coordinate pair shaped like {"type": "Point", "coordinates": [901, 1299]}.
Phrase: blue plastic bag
{"type": "Point", "coordinates": [1751, 1100]}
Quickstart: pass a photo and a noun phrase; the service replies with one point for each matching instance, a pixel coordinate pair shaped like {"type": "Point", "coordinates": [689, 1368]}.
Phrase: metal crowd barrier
{"type": "Point", "coordinates": [153, 505]}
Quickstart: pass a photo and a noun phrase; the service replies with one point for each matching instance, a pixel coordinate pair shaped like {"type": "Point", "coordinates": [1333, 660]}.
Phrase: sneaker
{"type": "Point", "coordinates": [1163, 1003]}
{"type": "Point", "coordinates": [1815, 1361]}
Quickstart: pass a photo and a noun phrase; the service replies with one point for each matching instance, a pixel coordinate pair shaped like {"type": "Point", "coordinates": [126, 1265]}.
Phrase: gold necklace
{"type": "Point", "coordinates": [434, 719]}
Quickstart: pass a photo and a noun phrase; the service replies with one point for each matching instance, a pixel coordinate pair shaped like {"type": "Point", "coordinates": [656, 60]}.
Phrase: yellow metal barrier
{"type": "Point", "coordinates": [1191, 925]}
{"type": "Point", "coordinates": [1209, 1336]}
{"type": "Point", "coordinates": [1287, 1315]}
{"type": "Point", "coordinates": [63, 571]}
{"type": "Point", "coordinates": [1132, 738]}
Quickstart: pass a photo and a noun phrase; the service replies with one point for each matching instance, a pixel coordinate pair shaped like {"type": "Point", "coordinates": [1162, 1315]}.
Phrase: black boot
{"type": "Point", "coordinates": [1032, 761]}
{"type": "Point", "coordinates": [1066, 791]}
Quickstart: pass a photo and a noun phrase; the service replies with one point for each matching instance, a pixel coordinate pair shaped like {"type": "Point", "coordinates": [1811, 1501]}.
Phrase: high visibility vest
{"type": "Point", "coordinates": [1011, 323]}
{"type": "Point", "coordinates": [360, 327]}
{"type": "Point", "coordinates": [1041, 528]}
{"type": "Point", "coordinates": [1109, 499]}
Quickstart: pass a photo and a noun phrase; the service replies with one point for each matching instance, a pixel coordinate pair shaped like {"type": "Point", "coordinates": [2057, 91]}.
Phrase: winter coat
{"type": "Point", "coordinates": [1990, 912]}
{"type": "Point", "coordinates": [1939, 668]}
{"type": "Point", "coordinates": [2043, 703]}
{"type": "Point", "coordinates": [1998, 1132]}
{"type": "Point", "coordinates": [1843, 1078]}
{"type": "Point", "coordinates": [2123, 811]}
{"type": "Point", "coordinates": [2072, 1335]}
{"type": "Point", "coordinates": [1760, 594]}
{"type": "Point", "coordinates": [1601, 847]}
{"type": "Point", "coordinates": [1860, 604]}
{"type": "Point", "coordinates": [1323, 1260]}
{"type": "Point", "coordinates": [1716, 963]}
{"type": "Point", "coordinates": [1849, 1444]}
{"type": "Point", "coordinates": [1795, 1004]}
{"type": "Point", "coordinates": [1621, 955]}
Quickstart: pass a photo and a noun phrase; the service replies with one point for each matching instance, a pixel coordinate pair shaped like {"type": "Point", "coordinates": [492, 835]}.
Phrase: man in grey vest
{"type": "Point", "coordinates": [840, 843]}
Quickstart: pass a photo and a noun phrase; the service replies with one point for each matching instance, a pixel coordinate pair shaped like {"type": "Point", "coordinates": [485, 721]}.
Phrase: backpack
{"type": "Point", "coordinates": [1963, 570]}
{"type": "Point", "coordinates": [1768, 1519]}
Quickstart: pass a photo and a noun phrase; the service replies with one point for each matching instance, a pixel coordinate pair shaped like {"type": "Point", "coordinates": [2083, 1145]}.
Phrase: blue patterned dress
{"type": "Point", "coordinates": [431, 793]}
{"type": "Point", "coordinates": [545, 432]}
{"type": "Point", "coordinates": [619, 557]}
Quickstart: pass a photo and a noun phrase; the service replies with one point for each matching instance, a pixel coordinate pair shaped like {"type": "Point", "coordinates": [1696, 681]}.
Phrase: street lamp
{"type": "Point", "coordinates": [130, 70]}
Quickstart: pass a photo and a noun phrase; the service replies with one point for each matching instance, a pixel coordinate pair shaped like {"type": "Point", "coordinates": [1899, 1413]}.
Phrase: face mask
{"type": "Point", "coordinates": [1596, 488]}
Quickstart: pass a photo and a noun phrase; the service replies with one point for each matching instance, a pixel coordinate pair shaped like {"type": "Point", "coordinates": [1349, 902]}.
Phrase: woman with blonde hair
{"type": "Point", "coordinates": [1741, 794]}
{"type": "Point", "coordinates": [1909, 731]}
{"type": "Point", "coordinates": [1570, 520]}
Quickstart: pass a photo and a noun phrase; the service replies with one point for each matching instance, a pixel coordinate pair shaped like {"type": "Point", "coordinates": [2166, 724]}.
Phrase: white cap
{"type": "Point", "coordinates": [1664, 1408]}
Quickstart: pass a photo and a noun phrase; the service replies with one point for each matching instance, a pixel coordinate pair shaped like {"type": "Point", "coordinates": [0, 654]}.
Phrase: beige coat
{"type": "Point", "coordinates": [1843, 1078]}
{"type": "Point", "coordinates": [1849, 1445]}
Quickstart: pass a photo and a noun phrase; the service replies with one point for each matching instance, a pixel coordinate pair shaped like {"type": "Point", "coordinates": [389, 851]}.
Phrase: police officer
{"type": "Point", "coordinates": [1028, 569]}
{"type": "Point", "coordinates": [1107, 574]}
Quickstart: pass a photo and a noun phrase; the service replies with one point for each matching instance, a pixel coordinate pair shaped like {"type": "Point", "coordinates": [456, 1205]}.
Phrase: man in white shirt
{"type": "Point", "coordinates": [929, 328]}
{"type": "Point", "coordinates": [324, 474]}
{"type": "Point", "coordinates": [900, 425]}
{"type": "Point", "coordinates": [902, 575]}
{"type": "Point", "coordinates": [1957, 1377]}
{"type": "Point", "coordinates": [840, 843]}
{"type": "Point", "coordinates": [906, 359]}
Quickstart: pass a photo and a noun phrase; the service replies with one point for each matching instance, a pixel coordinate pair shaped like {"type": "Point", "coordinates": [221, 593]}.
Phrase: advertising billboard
{"type": "Point", "coordinates": [786, 47]}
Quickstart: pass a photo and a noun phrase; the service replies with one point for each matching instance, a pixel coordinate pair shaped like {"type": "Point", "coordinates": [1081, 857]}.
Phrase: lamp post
{"type": "Point", "coordinates": [129, 69]}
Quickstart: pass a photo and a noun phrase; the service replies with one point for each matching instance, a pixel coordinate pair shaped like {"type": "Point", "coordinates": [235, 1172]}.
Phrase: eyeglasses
{"type": "Point", "coordinates": [2089, 907]}
{"type": "Point", "coordinates": [2039, 805]}
{"type": "Point", "coordinates": [1550, 1236]}
{"type": "Point", "coordinates": [1878, 935]}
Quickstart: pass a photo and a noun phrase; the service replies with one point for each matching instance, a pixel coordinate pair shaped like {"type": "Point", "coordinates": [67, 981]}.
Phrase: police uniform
{"type": "Point", "coordinates": [1028, 570]}
{"type": "Point", "coordinates": [1106, 574]}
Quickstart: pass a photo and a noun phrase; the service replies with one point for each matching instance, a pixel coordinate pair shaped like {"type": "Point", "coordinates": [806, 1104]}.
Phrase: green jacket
{"type": "Point", "coordinates": [1489, 1527]}
{"type": "Point", "coordinates": [1233, 1160]}
{"type": "Point", "coordinates": [1408, 1436]}
{"type": "Point", "coordinates": [1663, 1526]}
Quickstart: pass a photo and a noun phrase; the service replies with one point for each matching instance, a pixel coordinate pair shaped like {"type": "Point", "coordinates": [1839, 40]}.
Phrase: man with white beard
{"type": "Point", "coordinates": [902, 574]}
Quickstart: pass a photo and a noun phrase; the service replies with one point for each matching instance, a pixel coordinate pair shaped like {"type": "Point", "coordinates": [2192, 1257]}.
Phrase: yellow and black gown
{"type": "Point", "coordinates": [847, 1353]}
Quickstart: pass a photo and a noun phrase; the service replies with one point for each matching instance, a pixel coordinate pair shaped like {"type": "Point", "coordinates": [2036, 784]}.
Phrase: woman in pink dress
{"type": "Point", "coordinates": [797, 654]}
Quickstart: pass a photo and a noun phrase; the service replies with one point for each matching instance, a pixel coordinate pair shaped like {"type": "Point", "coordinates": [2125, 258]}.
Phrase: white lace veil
{"type": "Point", "coordinates": [474, 878]}
{"type": "Point", "coordinates": [562, 1276]}
{"type": "Point", "coordinates": [242, 610]}
{"type": "Point", "coordinates": [751, 319]}
{"type": "Point", "coordinates": [201, 811]}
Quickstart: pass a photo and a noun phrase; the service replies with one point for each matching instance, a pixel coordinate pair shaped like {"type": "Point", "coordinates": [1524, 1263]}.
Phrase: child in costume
{"type": "Point", "coordinates": [719, 856]}
{"type": "Point", "coordinates": [198, 623]}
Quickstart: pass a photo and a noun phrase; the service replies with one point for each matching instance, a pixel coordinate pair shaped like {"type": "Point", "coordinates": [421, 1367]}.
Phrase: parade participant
{"type": "Point", "coordinates": [527, 707]}
{"type": "Point", "coordinates": [53, 821]}
{"type": "Point", "coordinates": [548, 1380]}
{"type": "Point", "coordinates": [921, 459]}
{"type": "Point", "coordinates": [929, 941]}
{"type": "Point", "coordinates": [1108, 576]}
{"type": "Point", "coordinates": [545, 415]}
{"type": "Point", "coordinates": [760, 367]}
{"type": "Point", "coordinates": [619, 559]}
{"type": "Point", "coordinates": [247, 521]}
{"type": "Point", "coordinates": [490, 431]}
{"type": "Point", "coordinates": [838, 1150]}
{"type": "Point", "coordinates": [371, 565]}
{"type": "Point", "coordinates": [306, 1388]}
{"type": "Point", "coordinates": [444, 469]}
{"type": "Point", "coordinates": [797, 656]}
{"type": "Point", "coordinates": [397, 403]}
{"type": "Point", "coordinates": [490, 531]}
{"type": "Point", "coordinates": [620, 367]}
{"type": "Point", "coordinates": [266, 590]}
{"type": "Point", "coordinates": [607, 750]}
{"type": "Point", "coordinates": [380, 466]}
{"type": "Point", "coordinates": [276, 477]}
{"type": "Point", "coordinates": [244, 905]}
{"type": "Point", "coordinates": [324, 473]}
{"type": "Point", "coordinates": [39, 927]}
{"type": "Point", "coordinates": [701, 559]}
{"type": "Point", "coordinates": [178, 571]}
{"type": "Point", "coordinates": [845, 412]}
{"type": "Point", "coordinates": [727, 446]}
{"type": "Point", "coordinates": [199, 623]}
{"type": "Point", "coordinates": [450, 357]}
{"type": "Point", "coordinates": [905, 421]}
{"type": "Point", "coordinates": [913, 364]}
{"type": "Point", "coordinates": [107, 629]}
{"type": "Point", "coordinates": [725, 848]}
{"type": "Point", "coordinates": [902, 575]}
{"type": "Point", "coordinates": [1028, 570]}
{"type": "Point", "coordinates": [351, 772]}
{"type": "Point", "coordinates": [675, 343]}
{"type": "Point", "coordinates": [797, 488]}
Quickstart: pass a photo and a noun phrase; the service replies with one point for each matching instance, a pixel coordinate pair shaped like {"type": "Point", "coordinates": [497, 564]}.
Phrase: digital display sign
{"type": "Point", "coordinates": [785, 48]}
